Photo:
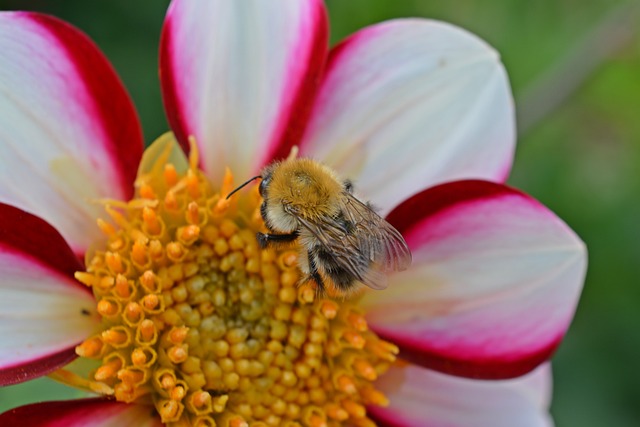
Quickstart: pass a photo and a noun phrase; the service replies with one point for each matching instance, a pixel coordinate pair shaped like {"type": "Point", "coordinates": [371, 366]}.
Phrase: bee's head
{"type": "Point", "coordinates": [277, 209]}
{"type": "Point", "coordinates": [293, 189]}
{"type": "Point", "coordinates": [304, 188]}
{"type": "Point", "coordinates": [264, 185]}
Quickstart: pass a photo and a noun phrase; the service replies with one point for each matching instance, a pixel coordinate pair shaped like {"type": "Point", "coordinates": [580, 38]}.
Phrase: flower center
{"type": "Point", "coordinates": [211, 329]}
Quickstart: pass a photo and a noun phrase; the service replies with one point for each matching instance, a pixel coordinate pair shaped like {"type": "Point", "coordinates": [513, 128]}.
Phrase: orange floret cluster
{"type": "Point", "coordinates": [211, 329]}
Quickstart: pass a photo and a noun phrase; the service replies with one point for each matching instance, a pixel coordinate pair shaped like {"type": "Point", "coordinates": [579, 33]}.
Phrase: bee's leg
{"type": "Point", "coordinates": [315, 274]}
{"type": "Point", "coordinates": [265, 239]}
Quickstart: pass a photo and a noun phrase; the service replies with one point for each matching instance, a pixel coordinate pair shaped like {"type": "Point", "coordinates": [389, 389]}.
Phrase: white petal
{"type": "Point", "coordinates": [44, 311]}
{"type": "Point", "coordinates": [68, 130]}
{"type": "Point", "coordinates": [423, 398]}
{"type": "Point", "coordinates": [411, 103]}
{"type": "Point", "coordinates": [239, 75]}
{"type": "Point", "coordinates": [494, 283]}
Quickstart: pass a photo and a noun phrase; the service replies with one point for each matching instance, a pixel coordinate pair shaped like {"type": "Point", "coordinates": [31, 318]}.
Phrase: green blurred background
{"type": "Point", "coordinates": [575, 70]}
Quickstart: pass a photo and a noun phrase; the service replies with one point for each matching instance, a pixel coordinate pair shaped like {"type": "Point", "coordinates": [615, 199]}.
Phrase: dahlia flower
{"type": "Point", "coordinates": [138, 262]}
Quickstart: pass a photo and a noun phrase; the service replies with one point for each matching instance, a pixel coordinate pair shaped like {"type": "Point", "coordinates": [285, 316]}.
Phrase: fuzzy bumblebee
{"type": "Point", "coordinates": [342, 241]}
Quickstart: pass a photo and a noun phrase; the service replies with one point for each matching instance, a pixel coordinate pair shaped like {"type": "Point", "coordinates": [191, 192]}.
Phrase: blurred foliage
{"type": "Point", "coordinates": [582, 161]}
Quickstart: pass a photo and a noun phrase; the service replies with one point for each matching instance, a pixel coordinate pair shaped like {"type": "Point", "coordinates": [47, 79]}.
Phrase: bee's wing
{"type": "Point", "coordinates": [368, 250]}
{"type": "Point", "coordinates": [385, 244]}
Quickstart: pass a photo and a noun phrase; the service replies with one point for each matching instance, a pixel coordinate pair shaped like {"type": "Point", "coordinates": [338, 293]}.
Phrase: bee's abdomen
{"type": "Point", "coordinates": [341, 278]}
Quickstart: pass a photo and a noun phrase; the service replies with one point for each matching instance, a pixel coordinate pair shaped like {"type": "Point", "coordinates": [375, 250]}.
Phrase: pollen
{"type": "Point", "coordinates": [211, 330]}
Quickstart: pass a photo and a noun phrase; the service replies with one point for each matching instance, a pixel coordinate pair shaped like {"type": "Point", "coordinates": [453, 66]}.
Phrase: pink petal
{"type": "Point", "coordinates": [45, 313]}
{"type": "Point", "coordinates": [411, 103]}
{"type": "Point", "coordinates": [493, 286]}
{"type": "Point", "coordinates": [69, 132]}
{"type": "Point", "coordinates": [423, 398]}
{"type": "Point", "coordinates": [81, 413]}
{"type": "Point", "coordinates": [241, 77]}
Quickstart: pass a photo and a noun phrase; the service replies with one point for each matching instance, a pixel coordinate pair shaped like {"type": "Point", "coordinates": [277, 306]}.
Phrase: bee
{"type": "Point", "coordinates": [342, 241]}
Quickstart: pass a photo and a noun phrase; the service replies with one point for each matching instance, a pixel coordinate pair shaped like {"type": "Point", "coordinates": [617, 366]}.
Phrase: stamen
{"type": "Point", "coordinates": [85, 278]}
{"type": "Point", "coordinates": [170, 175]}
{"type": "Point", "coordinates": [170, 201]}
{"type": "Point", "coordinates": [152, 224]}
{"type": "Point", "coordinates": [146, 332]}
{"type": "Point", "coordinates": [193, 213]}
{"type": "Point", "coordinates": [133, 314]}
{"type": "Point", "coordinates": [178, 393]}
{"type": "Point", "coordinates": [357, 321]}
{"type": "Point", "coordinates": [193, 184]}
{"type": "Point", "coordinates": [90, 348]}
{"type": "Point", "coordinates": [108, 307]}
{"type": "Point", "coordinates": [117, 336]}
{"type": "Point", "coordinates": [188, 235]}
{"type": "Point", "coordinates": [365, 369]}
{"type": "Point", "coordinates": [176, 252]}
{"type": "Point", "coordinates": [131, 376]}
{"type": "Point", "coordinates": [336, 412]}
{"type": "Point", "coordinates": [166, 378]}
{"type": "Point", "coordinates": [346, 384]}
{"type": "Point", "coordinates": [169, 410]}
{"type": "Point", "coordinates": [227, 182]}
{"type": "Point", "coordinates": [106, 228]}
{"type": "Point", "coordinates": [108, 370]}
{"type": "Point", "coordinates": [114, 262]}
{"type": "Point", "coordinates": [74, 380]}
{"type": "Point", "coordinates": [374, 397]}
{"type": "Point", "coordinates": [353, 408]}
{"type": "Point", "coordinates": [178, 354]}
{"type": "Point", "coordinates": [150, 302]}
{"type": "Point", "coordinates": [149, 282]}
{"type": "Point", "coordinates": [106, 283]}
{"type": "Point", "coordinates": [139, 254]}
{"type": "Point", "coordinates": [329, 309]}
{"type": "Point", "coordinates": [146, 192]}
{"type": "Point", "coordinates": [117, 217]}
{"type": "Point", "coordinates": [143, 356]}
{"type": "Point", "coordinates": [177, 335]}
{"type": "Point", "coordinates": [122, 287]}
{"type": "Point", "coordinates": [354, 339]}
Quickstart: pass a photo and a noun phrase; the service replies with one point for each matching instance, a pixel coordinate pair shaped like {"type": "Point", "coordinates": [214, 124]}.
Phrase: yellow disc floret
{"type": "Point", "coordinates": [211, 329]}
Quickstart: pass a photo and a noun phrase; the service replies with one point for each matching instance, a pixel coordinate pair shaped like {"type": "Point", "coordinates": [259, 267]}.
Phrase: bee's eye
{"type": "Point", "coordinates": [263, 210]}
{"type": "Point", "coordinates": [263, 186]}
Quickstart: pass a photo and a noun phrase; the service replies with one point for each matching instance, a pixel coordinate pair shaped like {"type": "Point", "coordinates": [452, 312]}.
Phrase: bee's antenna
{"type": "Point", "coordinates": [238, 188]}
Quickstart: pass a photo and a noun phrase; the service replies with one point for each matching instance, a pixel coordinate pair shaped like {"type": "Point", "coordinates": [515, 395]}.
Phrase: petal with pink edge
{"type": "Point", "coordinates": [241, 77]}
{"type": "Point", "coordinates": [494, 283]}
{"type": "Point", "coordinates": [411, 103]}
{"type": "Point", "coordinates": [68, 130]}
{"type": "Point", "coordinates": [44, 311]}
{"type": "Point", "coordinates": [97, 412]}
{"type": "Point", "coordinates": [423, 398]}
